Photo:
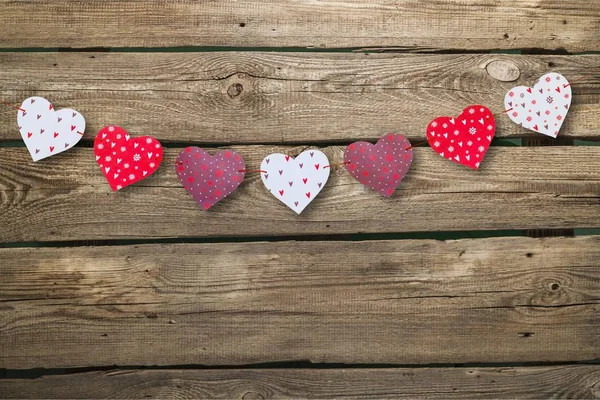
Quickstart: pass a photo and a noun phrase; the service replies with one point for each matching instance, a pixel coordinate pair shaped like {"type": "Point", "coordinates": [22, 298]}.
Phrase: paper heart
{"type": "Point", "coordinates": [544, 107]}
{"type": "Point", "coordinates": [295, 182]}
{"type": "Point", "coordinates": [209, 179]}
{"type": "Point", "coordinates": [47, 132]}
{"type": "Point", "coordinates": [125, 160]}
{"type": "Point", "coordinates": [464, 139]}
{"type": "Point", "coordinates": [380, 166]}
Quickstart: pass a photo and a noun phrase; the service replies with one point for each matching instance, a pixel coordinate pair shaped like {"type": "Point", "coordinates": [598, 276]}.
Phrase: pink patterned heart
{"type": "Point", "coordinates": [380, 166]}
{"type": "Point", "coordinates": [209, 179]}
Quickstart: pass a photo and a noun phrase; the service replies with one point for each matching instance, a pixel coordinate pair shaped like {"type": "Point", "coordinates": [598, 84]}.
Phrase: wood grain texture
{"type": "Point", "coordinates": [411, 301]}
{"type": "Point", "coordinates": [574, 382]}
{"type": "Point", "coordinates": [416, 26]}
{"type": "Point", "coordinates": [276, 98]}
{"type": "Point", "coordinates": [67, 198]}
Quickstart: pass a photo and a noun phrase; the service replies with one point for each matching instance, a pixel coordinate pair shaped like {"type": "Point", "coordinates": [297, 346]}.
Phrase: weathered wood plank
{"type": "Point", "coordinates": [573, 382]}
{"type": "Point", "coordinates": [67, 198]}
{"type": "Point", "coordinates": [413, 301]}
{"type": "Point", "coordinates": [417, 26]}
{"type": "Point", "coordinates": [280, 98]}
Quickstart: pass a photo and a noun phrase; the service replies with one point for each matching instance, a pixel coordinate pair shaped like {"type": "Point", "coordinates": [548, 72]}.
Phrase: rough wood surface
{"type": "Point", "coordinates": [66, 197]}
{"type": "Point", "coordinates": [574, 382]}
{"type": "Point", "coordinates": [406, 24]}
{"type": "Point", "coordinates": [411, 301]}
{"type": "Point", "coordinates": [275, 98]}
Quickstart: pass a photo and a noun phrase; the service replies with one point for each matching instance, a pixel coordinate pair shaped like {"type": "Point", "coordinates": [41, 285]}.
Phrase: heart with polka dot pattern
{"type": "Point", "coordinates": [380, 166]}
{"type": "Point", "coordinates": [209, 179]}
{"type": "Point", "coordinates": [544, 107]}
{"type": "Point", "coordinates": [125, 160]}
{"type": "Point", "coordinates": [464, 139]}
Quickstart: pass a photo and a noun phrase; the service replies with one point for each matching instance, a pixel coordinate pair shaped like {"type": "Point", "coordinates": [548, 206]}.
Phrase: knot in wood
{"type": "Point", "coordinates": [503, 70]}
{"type": "Point", "coordinates": [252, 396]}
{"type": "Point", "coordinates": [235, 90]}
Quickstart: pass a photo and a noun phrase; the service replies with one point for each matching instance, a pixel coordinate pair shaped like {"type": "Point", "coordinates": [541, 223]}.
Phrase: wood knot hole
{"type": "Point", "coordinates": [235, 90]}
{"type": "Point", "coordinates": [526, 334]}
{"type": "Point", "coordinates": [555, 286]}
{"type": "Point", "coordinates": [503, 70]}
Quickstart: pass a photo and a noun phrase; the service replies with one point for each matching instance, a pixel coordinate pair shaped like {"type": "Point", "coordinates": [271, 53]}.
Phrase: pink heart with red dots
{"type": "Point", "coordinates": [209, 179]}
{"type": "Point", "coordinates": [380, 166]}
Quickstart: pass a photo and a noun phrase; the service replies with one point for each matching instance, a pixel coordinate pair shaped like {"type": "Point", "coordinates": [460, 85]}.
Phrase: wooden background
{"type": "Point", "coordinates": [463, 285]}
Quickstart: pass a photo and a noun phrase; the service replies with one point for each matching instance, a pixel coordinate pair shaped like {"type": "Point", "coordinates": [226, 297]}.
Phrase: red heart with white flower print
{"type": "Point", "coordinates": [544, 107]}
{"type": "Point", "coordinates": [464, 139]}
{"type": "Point", "coordinates": [125, 160]}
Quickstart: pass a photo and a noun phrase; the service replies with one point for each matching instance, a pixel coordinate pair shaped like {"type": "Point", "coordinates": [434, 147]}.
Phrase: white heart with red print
{"type": "Point", "coordinates": [295, 181]}
{"type": "Point", "coordinates": [544, 107]}
{"type": "Point", "coordinates": [47, 132]}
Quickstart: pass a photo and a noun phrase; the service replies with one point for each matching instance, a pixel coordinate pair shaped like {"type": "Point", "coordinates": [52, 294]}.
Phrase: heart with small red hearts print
{"type": "Point", "coordinates": [296, 182]}
{"type": "Point", "coordinates": [464, 139]}
{"type": "Point", "coordinates": [46, 131]}
{"type": "Point", "coordinates": [125, 160]}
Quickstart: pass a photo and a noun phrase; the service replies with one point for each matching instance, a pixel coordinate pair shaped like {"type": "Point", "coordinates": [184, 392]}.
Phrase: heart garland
{"type": "Point", "coordinates": [125, 160]}
{"type": "Point", "coordinates": [296, 182]}
{"type": "Point", "coordinates": [47, 132]}
{"type": "Point", "coordinates": [544, 107]}
{"type": "Point", "coordinates": [380, 166]}
{"type": "Point", "coordinates": [464, 139]}
{"type": "Point", "coordinates": [209, 179]}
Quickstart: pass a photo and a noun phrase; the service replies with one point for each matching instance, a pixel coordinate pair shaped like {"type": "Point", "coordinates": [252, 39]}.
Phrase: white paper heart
{"type": "Point", "coordinates": [544, 107]}
{"type": "Point", "coordinates": [47, 132]}
{"type": "Point", "coordinates": [295, 181]}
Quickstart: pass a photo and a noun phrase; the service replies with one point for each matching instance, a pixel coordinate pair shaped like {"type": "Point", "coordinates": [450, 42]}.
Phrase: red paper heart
{"type": "Point", "coordinates": [464, 139]}
{"type": "Point", "coordinates": [125, 160]}
{"type": "Point", "coordinates": [380, 166]}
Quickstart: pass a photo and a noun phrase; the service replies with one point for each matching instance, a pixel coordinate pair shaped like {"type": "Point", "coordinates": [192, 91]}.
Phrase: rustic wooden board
{"type": "Point", "coordinates": [574, 382]}
{"type": "Point", "coordinates": [412, 301]}
{"type": "Point", "coordinates": [67, 198]}
{"type": "Point", "coordinates": [416, 26]}
{"type": "Point", "coordinates": [280, 98]}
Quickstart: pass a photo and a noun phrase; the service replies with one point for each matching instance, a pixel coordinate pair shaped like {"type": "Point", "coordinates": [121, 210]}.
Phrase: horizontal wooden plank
{"type": "Point", "coordinates": [413, 301]}
{"type": "Point", "coordinates": [66, 197]}
{"type": "Point", "coordinates": [574, 382]}
{"type": "Point", "coordinates": [258, 98]}
{"type": "Point", "coordinates": [417, 26]}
